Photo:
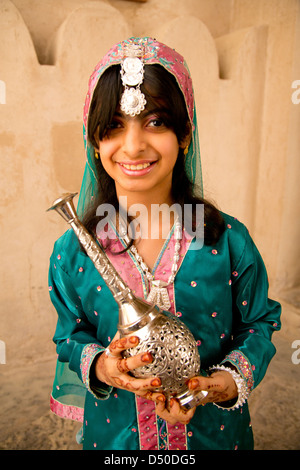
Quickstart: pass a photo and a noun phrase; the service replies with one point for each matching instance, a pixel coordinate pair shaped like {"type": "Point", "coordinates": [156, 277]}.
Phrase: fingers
{"type": "Point", "coordinates": [175, 413]}
{"type": "Point", "coordinates": [220, 387]}
{"type": "Point", "coordinates": [130, 363]}
{"type": "Point", "coordinates": [117, 346]}
{"type": "Point", "coordinates": [138, 386]}
{"type": "Point", "coordinates": [126, 365]}
{"type": "Point", "coordinates": [199, 383]}
{"type": "Point", "coordinates": [153, 396]}
{"type": "Point", "coordinates": [118, 369]}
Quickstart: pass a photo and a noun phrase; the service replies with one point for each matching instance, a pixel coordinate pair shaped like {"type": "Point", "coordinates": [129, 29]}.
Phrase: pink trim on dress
{"type": "Point", "coordinates": [66, 411]}
{"type": "Point", "coordinates": [177, 436]}
{"type": "Point", "coordinates": [148, 431]}
{"type": "Point", "coordinates": [125, 265]}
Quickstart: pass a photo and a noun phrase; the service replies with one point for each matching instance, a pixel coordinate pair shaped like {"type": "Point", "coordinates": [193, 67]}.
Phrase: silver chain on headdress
{"type": "Point", "coordinates": [133, 101]}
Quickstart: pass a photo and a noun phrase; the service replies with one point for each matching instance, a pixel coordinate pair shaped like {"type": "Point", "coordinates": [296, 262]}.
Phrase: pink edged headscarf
{"type": "Point", "coordinates": [154, 53]}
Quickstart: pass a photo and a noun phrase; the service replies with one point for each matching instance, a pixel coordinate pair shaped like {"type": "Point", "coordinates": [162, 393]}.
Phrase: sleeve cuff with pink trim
{"type": "Point", "coordinates": [243, 366]}
{"type": "Point", "coordinates": [100, 390]}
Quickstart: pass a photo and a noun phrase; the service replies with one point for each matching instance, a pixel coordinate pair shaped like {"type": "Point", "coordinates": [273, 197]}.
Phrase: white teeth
{"type": "Point", "coordinates": [140, 166]}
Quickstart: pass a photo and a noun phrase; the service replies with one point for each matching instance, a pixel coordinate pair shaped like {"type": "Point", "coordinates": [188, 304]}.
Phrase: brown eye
{"type": "Point", "coordinates": [156, 123]}
{"type": "Point", "coordinates": [114, 125]}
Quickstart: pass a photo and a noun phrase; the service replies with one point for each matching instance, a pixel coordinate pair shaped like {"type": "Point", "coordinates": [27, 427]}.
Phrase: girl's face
{"type": "Point", "coordinates": [139, 153]}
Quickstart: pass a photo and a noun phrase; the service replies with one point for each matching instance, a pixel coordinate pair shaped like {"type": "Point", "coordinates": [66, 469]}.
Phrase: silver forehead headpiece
{"type": "Point", "coordinates": [133, 101]}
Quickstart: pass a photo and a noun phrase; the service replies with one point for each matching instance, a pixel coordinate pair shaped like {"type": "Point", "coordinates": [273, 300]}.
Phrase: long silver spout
{"type": "Point", "coordinates": [64, 205]}
{"type": "Point", "coordinates": [132, 311]}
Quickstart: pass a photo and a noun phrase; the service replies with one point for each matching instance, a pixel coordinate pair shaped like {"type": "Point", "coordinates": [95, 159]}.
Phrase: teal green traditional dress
{"type": "Point", "coordinates": [220, 292]}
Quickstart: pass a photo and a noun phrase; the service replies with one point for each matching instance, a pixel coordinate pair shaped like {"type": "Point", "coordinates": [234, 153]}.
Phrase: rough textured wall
{"type": "Point", "coordinates": [242, 55]}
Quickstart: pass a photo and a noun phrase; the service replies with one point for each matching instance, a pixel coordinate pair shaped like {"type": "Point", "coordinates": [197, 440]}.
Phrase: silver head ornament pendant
{"type": "Point", "coordinates": [133, 101]}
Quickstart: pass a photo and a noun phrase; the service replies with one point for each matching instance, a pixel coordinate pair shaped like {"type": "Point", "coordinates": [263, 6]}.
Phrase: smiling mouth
{"type": "Point", "coordinates": [140, 166]}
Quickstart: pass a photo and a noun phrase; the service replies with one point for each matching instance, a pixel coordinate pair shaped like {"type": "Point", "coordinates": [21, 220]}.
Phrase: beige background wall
{"type": "Point", "coordinates": [244, 58]}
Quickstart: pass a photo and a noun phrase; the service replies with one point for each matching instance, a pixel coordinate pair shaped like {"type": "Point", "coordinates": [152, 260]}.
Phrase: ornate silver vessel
{"type": "Point", "coordinates": [172, 345]}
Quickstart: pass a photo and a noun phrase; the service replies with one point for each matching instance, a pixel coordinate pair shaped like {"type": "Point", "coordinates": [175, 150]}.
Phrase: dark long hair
{"type": "Point", "coordinates": [161, 91]}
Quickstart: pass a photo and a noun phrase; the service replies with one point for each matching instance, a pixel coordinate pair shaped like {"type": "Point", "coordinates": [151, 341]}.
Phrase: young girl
{"type": "Point", "coordinates": [141, 141]}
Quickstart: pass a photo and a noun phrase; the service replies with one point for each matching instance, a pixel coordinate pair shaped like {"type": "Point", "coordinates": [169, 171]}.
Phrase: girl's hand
{"type": "Point", "coordinates": [219, 385]}
{"type": "Point", "coordinates": [174, 413]}
{"type": "Point", "coordinates": [113, 369]}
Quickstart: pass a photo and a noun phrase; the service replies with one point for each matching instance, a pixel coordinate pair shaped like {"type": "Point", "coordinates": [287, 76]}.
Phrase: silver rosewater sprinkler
{"type": "Point", "coordinates": [175, 354]}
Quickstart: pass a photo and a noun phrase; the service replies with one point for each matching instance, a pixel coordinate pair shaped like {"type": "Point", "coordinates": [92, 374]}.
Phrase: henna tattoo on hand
{"type": "Point", "coordinates": [122, 366]}
{"type": "Point", "coordinates": [148, 395]}
{"type": "Point", "coordinates": [125, 385]}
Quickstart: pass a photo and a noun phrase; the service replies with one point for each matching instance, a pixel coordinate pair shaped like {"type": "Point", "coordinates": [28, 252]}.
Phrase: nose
{"type": "Point", "coordinates": [133, 140]}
